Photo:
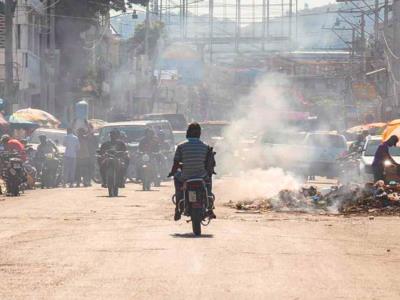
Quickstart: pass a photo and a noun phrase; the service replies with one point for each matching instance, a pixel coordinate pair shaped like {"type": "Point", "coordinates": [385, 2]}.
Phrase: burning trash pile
{"type": "Point", "coordinates": [371, 199]}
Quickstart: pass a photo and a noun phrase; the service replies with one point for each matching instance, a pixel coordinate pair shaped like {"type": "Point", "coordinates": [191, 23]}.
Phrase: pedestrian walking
{"type": "Point", "coordinates": [83, 161]}
{"type": "Point", "coordinates": [71, 143]}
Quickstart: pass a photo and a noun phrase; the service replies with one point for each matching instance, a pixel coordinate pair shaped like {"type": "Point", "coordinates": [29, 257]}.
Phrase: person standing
{"type": "Point", "coordinates": [71, 143]}
{"type": "Point", "coordinates": [382, 155]}
{"type": "Point", "coordinates": [83, 159]}
{"type": "Point", "coordinates": [93, 144]}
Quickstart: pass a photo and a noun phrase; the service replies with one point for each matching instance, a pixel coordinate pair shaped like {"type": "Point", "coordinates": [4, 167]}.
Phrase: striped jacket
{"type": "Point", "coordinates": [192, 154]}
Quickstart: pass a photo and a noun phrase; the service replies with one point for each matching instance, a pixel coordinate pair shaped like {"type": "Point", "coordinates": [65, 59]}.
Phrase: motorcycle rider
{"type": "Point", "coordinates": [115, 144]}
{"type": "Point", "coordinates": [195, 159]}
{"type": "Point", "coordinates": [150, 144]}
{"type": "Point", "coordinates": [46, 146]}
{"type": "Point", "coordinates": [11, 145]}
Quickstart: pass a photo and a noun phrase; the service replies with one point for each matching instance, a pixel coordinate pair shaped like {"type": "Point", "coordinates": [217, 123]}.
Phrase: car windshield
{"type": "Point", "coordinates": [326, 141]}
{"type": "Point", "coordinates": [373, 145]}
{"type": "Point", "coordinates": [55, 136]}
{"type": "Point", "coordinates": [132, 133]}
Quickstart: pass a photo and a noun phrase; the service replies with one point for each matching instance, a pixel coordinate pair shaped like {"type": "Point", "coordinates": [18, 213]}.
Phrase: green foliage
{"type": "Point", "coordinates": [90, 8]}
{"type": "Point", "coordinates": [156, 30]}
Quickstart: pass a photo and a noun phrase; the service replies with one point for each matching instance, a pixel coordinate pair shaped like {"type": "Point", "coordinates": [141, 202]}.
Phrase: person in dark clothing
{"type": "Point", "coordinates": [46, 146]}
{"type": "Point", "coordinates": [114, 144]}
{"type": "Point", "coordinates": [150, 143]}
{"type": "Point", "coordinates": [382, 155]}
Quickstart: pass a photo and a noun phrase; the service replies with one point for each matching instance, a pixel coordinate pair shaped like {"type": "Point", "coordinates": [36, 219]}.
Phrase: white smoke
{"type": "Point", "coordinates": [242, 153]}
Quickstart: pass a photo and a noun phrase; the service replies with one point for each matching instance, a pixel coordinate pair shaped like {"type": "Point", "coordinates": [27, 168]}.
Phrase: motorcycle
{"type": "Point", "coordinates": [51, 172]}
{"type": "Point", "coordinates": [196, 203]}
{"type": "Point", "coordinates": [13, 173]}
{"type": "Point", "coordinates": [148, 171]}
{"type": "Point", "coordinates": [114, 164]}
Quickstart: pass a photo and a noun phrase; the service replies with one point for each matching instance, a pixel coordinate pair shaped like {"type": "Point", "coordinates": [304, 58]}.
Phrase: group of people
{"type": "Point", "coordinates": [79, 157]}
{"type": "Point", "coordinates": [192, 158]}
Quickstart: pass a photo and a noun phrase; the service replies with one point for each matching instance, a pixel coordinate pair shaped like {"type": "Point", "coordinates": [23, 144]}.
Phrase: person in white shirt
{"type": "Point", "coordinates": [71, 143]}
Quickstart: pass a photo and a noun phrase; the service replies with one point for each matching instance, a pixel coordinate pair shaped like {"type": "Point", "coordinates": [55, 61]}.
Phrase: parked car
{"type": "Point", "coordinates": [55, 135]}
{"type": "Point", "coordinates": [367, 156]}
{"type": "Point", "coordinates": [281, 149]}
{"type": "Point", "coordinates": [321, 151]}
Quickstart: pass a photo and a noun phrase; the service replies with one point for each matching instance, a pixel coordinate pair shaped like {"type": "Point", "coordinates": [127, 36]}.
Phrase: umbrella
{"type": "Point", "coordinates": [97, 124]}
{"type": "Point", "coordinates": [392, 128]}
{"type": "Point", "coordinates": [37, 116]}
{"type": "Point", "coordinates": [366, 127]}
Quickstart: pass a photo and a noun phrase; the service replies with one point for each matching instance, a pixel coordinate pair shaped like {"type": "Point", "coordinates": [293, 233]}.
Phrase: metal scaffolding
{"type": "Point", "coordinates": [222, 26]}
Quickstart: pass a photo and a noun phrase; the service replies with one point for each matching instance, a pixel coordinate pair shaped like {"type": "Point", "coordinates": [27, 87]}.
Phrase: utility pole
{"type": "Point", "coordinates": [52, 31]}
{"type": "Point", "coordinates": [211, 27]}
{"type": "Point", "coordinates": [146, 30]}
{"type": "Point", "coordinates": [363, 44]}
{"type": "Point", "coordinates": [8, 53]}
{"type": "Point", "coordinates": [263, 24]}
{"type": "Point", "coordinates": [386, 12]}
{"type": "Point", "coordinates": [238, 25]}
{"type": "Point", "coordinates": [376, 21]}
{"type": "Point", "coordinates": [396, 47]}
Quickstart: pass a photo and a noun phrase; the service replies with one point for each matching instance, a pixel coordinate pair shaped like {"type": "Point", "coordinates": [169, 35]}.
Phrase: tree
{"type": "Point", "coordinates": [73, 17]}
{"type": "Point", "coordinates": [155, 33]}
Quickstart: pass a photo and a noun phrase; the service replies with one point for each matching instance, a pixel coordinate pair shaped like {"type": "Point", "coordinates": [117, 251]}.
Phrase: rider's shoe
{"type": "Point", "coordinates": [177, 216]}
{"type": "Point", "coordinates": [211, 214]}
{"type": "Point", "coordinates": [103, 185]}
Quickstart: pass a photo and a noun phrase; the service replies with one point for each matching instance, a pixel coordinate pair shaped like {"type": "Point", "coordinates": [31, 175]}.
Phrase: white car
{"type": "Point", "coordinates": [56, 135]}
{"type": "Point", "coordinates": [367, 157]}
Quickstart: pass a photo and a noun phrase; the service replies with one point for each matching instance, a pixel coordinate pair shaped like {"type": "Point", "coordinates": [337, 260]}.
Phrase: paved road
{"type": "Point", "coordinates": [78, 244]}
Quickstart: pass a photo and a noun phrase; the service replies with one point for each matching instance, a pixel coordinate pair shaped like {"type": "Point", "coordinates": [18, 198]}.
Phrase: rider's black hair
{"type": "Point", "coordinates": [193, 131]}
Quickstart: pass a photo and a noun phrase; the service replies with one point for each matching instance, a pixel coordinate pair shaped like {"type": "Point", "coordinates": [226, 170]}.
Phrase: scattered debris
{"type": "Point", "coordinates": [370, 199]}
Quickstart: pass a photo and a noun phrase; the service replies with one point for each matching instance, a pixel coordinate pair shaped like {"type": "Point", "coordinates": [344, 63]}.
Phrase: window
{"type": "Point", "coordinates": [26, 60]}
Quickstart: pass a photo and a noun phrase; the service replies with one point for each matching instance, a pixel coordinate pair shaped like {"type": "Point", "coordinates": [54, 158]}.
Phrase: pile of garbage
{"type": "Point", "coordinates": [370, 199]}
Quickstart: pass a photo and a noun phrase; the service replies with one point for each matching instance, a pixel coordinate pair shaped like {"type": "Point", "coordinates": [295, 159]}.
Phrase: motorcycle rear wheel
{"type": "Point", "coordinates": [112, 184]}
{"type": "Point", "coordinates": [196, 216]}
